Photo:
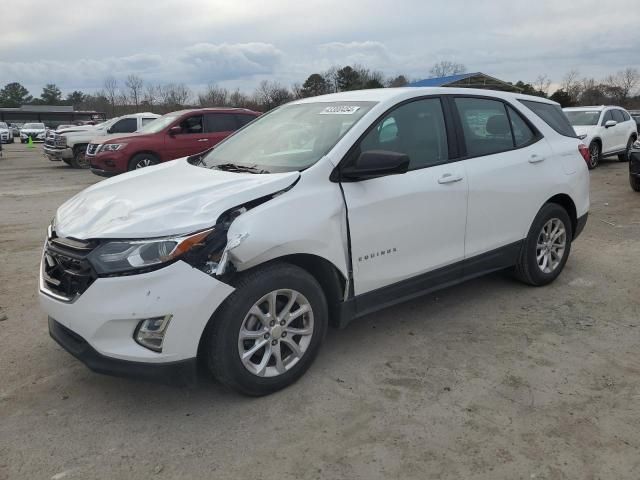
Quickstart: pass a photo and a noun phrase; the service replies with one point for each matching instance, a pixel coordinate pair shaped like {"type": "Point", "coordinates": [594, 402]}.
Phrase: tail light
{"type": "Point", "coordinates": [584, 151]}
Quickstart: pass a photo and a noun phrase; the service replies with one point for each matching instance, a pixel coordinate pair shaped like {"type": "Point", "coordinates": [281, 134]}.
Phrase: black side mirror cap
{"type": "Point", "coordinates": [375, 163]}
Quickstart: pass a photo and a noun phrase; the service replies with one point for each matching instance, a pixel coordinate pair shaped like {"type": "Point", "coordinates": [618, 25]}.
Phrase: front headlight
{"type": "Point", "coordinates": [120, 256]}
{"type": "Point", "coordinates": [583, 136]}
{"type": "Point", "coordinates": [112, 147]}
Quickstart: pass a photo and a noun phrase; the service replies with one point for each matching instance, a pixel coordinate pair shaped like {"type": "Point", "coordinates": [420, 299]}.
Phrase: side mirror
{"type": "Point", "coordinates": [610, 123]}
{"type": "Point", "coordinates": [175, 130]}
{"type": "Point", "coordinates": [376, 163]}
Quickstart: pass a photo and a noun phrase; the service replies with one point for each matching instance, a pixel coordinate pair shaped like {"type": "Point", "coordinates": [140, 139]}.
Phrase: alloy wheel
{"type": "Point", "coordinates": [144, 162]}
{"type": "Point", "coordinates": [552, 242]}
{"type": "Point", "coordinates": [276, 333]}
{"type": "Point", "coordinates": [594, 155]}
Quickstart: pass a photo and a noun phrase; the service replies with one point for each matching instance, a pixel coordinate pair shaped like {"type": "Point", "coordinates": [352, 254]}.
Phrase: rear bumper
{"type": "Point", "coordinates": [182, 372]}
{"type": "Point", "coordinates": [580, 224]}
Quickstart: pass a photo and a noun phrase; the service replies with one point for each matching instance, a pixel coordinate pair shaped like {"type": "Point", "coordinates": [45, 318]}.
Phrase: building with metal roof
{"type": "Point", "coordinates": [467, 80]}
{"type": "Point", "coordinates": [50, 115]}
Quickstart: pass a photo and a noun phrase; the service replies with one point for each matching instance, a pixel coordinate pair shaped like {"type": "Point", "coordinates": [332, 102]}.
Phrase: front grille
{"type": "Point", "coordinates": [93, 148]}
{"type": "Point", "coordinates": [66, 272]}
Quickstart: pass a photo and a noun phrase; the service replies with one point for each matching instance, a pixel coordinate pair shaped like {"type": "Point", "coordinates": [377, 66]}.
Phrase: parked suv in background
{"type": "Point", "coordinates": [174, 135]}
{"type": "Point", "coordinates": [606, 130]}
{"type": "Point", "coordinates": [70, 145]}
{"type": "Point", "coordinates": [35, 131]}
{"type": "Point", "coordinates": [320, 211]}
{"type": "Point", "coordinates": [6, 133]}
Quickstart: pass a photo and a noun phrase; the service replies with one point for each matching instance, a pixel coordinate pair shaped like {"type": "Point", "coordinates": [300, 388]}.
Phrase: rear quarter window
{"type": "Point", "coordinates": [552, 115]}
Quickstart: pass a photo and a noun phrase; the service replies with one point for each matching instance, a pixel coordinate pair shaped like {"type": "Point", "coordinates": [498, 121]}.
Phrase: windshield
{"type": "Point", "coordinates": [292, 137]}
{"type": "Point", "coordinates": [577, 117]}
{"type": "Point", "coordinates": [159, 123]}
{"type": "Point", "coordinates": [34, 126]}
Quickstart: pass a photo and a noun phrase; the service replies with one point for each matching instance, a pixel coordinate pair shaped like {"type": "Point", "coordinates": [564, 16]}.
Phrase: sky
{"type": "Point", "coordinates": [236, 44]}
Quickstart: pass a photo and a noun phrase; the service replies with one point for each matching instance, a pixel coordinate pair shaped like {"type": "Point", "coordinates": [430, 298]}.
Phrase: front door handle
{"type": "Point", "coordinates": [449, 178]}
{"type": "Point", "coordinates": [535, 158]}
{"type": "Point", "coordinates": [203, 140]}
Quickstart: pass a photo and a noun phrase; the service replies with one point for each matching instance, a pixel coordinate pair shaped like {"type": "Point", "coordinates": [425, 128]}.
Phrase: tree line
{"type": "Point", "coordinates": [133, 94]}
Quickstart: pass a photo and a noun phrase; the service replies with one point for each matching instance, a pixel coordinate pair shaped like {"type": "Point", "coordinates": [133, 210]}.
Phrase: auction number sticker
{"type": "Point", "coordinates": [340, 110]}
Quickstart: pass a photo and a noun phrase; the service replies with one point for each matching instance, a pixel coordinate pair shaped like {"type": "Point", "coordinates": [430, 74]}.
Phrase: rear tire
{"type": "Point", "coordinates": [143, 160]}
{"type": "Point", "coordinates": [234, 332]}
{"type": "Point", "coordinates": [634, 181]}
{"type": "Point", "coordinates": [624, 157]}
{"type": "Point", "coordinates": [79, 159]}
{"type": "Point", "coordinates": [543, 256]}
{"type": "Point", "coordinates": [594, 155]}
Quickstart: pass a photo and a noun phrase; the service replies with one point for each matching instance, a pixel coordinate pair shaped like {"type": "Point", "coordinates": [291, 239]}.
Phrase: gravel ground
{"type": "Point", "coordinates": [490, 379]}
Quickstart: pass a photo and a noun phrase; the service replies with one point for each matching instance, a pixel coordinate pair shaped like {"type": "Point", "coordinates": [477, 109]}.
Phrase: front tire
{"type": "Point", "coordinates": [546, 249]}
{"type": "Point", "coordinates": [268, 331]}
{"type": "Point", "coordinates": [634, 181]}
{"type": "Point", "coordinates": [79, 159]}
{"type": "Point", "coordinates": [594, 155]}
{"type": "Point", "coordinates": [142, 160]}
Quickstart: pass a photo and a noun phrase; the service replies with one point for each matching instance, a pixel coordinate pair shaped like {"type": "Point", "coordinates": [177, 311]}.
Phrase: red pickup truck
{"type": "Point", "coordinates": [174, 135]}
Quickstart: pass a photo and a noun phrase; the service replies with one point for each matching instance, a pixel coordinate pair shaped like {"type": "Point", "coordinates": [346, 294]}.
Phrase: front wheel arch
{"type": "Point", "coordinates": [143, 152]}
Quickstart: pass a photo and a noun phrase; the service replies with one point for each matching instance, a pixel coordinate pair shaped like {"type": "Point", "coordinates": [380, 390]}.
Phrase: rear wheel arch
{"type": "Point", "coordinates": [568, 204]}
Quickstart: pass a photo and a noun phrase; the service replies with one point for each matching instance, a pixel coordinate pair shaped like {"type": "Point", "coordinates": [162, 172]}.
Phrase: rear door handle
{"type": "Point", "coordinates": [534, 158]}
{"type": "Point", "coordinates": [203, 140]}
{"type": "Point", "coordinates": [449, 178]}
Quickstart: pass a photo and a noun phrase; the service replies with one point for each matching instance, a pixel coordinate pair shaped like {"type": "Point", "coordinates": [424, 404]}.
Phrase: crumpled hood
{"type": "Point", "coordinates": [168, 199]}
{"type": "Point", "coordinates": [584, 129]}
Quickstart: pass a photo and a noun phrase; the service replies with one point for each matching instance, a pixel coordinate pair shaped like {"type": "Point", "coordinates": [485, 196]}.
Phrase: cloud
{"type": "Point", "coordinates": [199, 63]}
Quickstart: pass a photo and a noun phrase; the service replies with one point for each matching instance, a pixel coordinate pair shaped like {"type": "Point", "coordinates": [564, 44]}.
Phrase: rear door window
{"type": "Point", "coordinates": [552, 115]}
{"type": "Point", "coordinates": [220, 122]}
{"type": "Point", "coordinates": [147, 120]}
{"type": "Point", "coordinates": [485, 125]}
{"type": "Point", "coordinates": [126, 125]}
{"type": "Point", "coordinates": [522, 133]}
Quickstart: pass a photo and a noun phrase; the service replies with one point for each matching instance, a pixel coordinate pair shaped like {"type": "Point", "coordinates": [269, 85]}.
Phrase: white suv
{"type": "Point", "coordinates": [315, 213]}
{"type": "Point", "coordinates": [70, 145]}
{"type": "Point", "coordinates": [606, 130]}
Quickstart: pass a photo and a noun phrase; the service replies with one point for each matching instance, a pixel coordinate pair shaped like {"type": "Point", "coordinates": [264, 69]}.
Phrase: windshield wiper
{"type": "Point", "coordinates": [232, 167]}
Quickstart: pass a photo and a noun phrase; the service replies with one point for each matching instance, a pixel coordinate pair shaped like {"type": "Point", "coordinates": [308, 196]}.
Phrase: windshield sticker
{"type": "Point", "coordinates": [340, 110]}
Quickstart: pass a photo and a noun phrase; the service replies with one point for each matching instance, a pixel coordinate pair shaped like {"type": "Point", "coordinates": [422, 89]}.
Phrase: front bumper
{"type": "Point", "coordinates": [108, 164]}
{"type": "Point", "coordinates": [182, 372]}
{"type": "Point", "coordinates": [58, 154]}
{"type": "Point", "coordinates": [106, 315]}
{"type": "Point", "coordinates": [103, 173]}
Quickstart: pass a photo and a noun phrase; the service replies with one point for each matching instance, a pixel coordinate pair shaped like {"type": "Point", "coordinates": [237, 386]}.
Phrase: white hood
{"type": "Point", "coordinates": [584, 129]}
{"type": "Point", "coordinates": [167, 199]}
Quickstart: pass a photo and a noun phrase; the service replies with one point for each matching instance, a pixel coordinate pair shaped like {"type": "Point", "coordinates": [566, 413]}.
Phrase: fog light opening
{"type": "Point", "coordinates": [150, 332]}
